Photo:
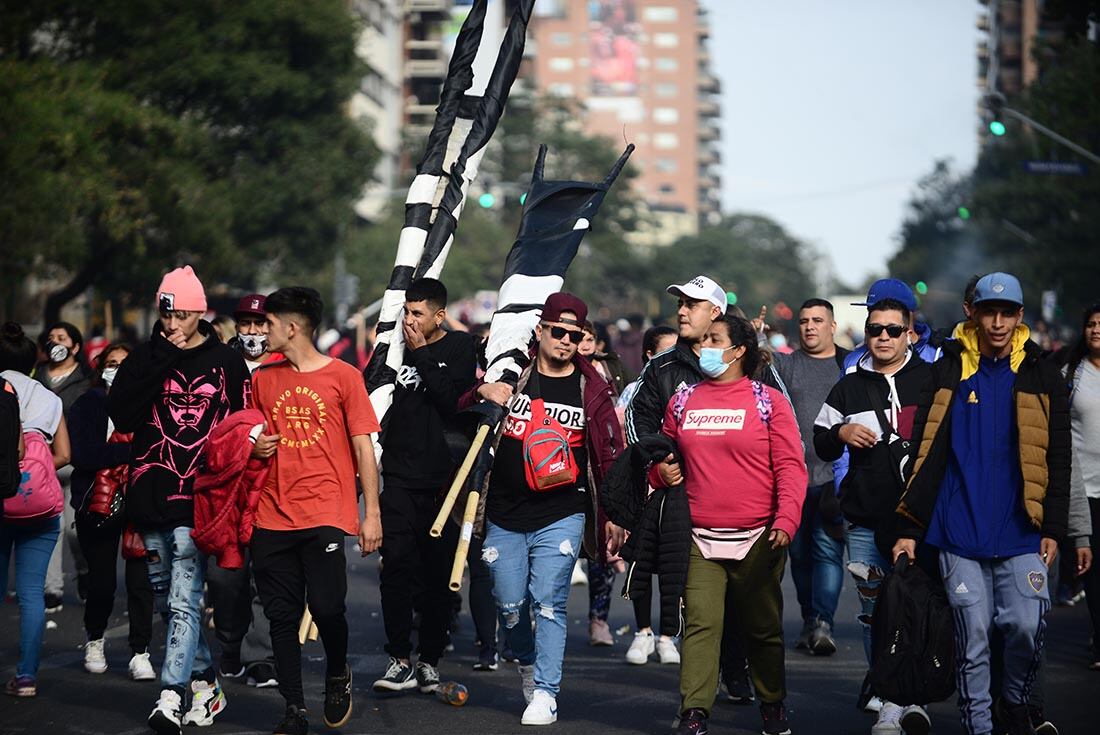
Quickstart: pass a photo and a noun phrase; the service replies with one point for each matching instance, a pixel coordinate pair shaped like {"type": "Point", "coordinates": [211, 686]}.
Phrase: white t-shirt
{"type": "Point", "coordinates": [39, 409]}
{"type": "Point", "coordinates": [1084, 415]}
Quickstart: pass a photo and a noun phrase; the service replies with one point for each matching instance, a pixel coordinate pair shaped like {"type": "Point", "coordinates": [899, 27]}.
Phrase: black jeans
{"type": "Point", "coordinates": [413, 561]}
{"type": "Point", "coordinates": [483, 608]}
{"type": "Point", "coordinates": [1092, 577]}
{"type": "Point", "coordinates": [240, 625]}
{"type": "Point", "coordinates": [100, 549]}
{"type": "Point", "coordinates": [291, 567]}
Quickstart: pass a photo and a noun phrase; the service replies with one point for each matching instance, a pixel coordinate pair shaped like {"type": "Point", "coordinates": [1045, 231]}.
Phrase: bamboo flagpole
{"type": "Point", "coordinates": [460, 479]}
{"type": "Point", "coordinates": [463, 549]}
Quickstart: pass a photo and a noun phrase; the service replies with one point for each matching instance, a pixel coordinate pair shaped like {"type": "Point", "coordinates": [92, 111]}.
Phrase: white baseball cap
{"type": "Point", "coordinates": [700, 288]}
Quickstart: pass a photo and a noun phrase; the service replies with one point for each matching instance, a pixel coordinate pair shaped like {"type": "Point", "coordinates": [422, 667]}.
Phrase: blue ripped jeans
{"type": "Point", "coordinates": [868, 567]}
{"type": "Point", "coordinates": [532, 570]}
{"type": "Point", "coordinates": [177, 570]}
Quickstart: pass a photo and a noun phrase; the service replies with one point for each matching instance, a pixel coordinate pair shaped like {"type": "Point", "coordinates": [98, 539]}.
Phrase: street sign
{"type": "Point", "coordinates": [1068, 168]}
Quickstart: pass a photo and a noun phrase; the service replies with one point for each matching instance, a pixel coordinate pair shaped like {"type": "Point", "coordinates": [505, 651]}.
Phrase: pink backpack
{"type": "Point", "coordinates": [39, 497]}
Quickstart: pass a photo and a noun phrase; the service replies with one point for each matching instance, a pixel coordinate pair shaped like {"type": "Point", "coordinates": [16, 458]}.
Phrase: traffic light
{"type": "Point", "coordinates": [964, 213]}
{"type": "Point", "coordinates": [921, 287]}
{"type": "Point", "coordinates": [995, 102]}
{"type": "Point", "coordinates": [731, 298]}
{"type": "Point", "coordinates": [487, 200]}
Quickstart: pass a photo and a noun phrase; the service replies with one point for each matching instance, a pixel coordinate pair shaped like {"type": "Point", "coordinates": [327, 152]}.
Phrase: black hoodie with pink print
{"type": "Point", "coordinates": [171, 399]}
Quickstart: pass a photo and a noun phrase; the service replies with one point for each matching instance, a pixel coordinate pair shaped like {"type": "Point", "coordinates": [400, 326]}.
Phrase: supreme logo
{"type": "Point", "coordinates": [715, 418]}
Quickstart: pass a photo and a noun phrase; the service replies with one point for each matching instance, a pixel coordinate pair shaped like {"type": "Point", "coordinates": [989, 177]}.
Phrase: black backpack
{"type": "Point", "coordinates": [912, 639]}
{"type": "Point", "coordinates": [10, 429]}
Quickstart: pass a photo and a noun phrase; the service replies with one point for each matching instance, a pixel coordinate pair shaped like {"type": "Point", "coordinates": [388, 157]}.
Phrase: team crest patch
{"type": "Point", "coordinates": [1036, 579]}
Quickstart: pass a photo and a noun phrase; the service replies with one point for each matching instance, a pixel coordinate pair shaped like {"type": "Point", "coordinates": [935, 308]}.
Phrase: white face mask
{"type": "Point", "coordinates": [109, 375]}
{"type": "Point", "coordinates": [252, 345]}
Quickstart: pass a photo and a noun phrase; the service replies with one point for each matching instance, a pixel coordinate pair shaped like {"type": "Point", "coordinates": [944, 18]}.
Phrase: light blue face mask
{"type": "Point", "coordinates": [710, 361]}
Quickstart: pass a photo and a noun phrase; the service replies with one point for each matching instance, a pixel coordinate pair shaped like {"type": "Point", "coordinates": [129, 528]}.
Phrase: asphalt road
{"type": "Point", "coordinates": [600, 692]}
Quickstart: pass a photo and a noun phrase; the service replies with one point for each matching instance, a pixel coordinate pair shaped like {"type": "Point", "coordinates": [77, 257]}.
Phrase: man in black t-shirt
{"type": "Point", "coordinates": [439, 367]}
{"type": "Point", "coordinates": [532, 537]}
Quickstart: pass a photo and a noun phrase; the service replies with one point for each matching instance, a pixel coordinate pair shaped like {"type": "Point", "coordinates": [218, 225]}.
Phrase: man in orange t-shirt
{"type": "Point", "coordinates": [317, 432]}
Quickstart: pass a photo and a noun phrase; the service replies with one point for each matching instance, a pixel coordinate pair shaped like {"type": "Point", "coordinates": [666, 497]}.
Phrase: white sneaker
{"type": "Point", "coordinates": [141, 669]}
{"type": "Point", "coordinates": [527, 681]}
{"type": "Point", "coordinates": [543, 709]}
{"type": "Point", "coordinates": [165, 718]}
{"type": "Point", "coordinates": [889, 720]}
{"type": "Point", "coordinates": [641, 648]}
{"type": "Point", "coordinates": [874, 704]}
{"type": "Point", "coordinates": [579, 577]}
{"type": "Point", "coordinates": [95, 662]}
{"type": "Point", "coordinates": [666, 650]}
{"type": "Point", "coordinates": [207, 700]}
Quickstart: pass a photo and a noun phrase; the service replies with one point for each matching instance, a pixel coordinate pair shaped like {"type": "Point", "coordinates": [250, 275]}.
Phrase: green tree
{"type": "Point", "coordinates": [254, 164]}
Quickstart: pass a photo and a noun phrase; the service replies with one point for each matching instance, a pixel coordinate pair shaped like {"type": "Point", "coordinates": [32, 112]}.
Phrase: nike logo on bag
{"type": "Point", "coordinates": [331, 547]}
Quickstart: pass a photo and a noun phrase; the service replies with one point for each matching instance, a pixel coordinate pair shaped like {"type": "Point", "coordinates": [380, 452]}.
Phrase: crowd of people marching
{"type": "Point", "coordinates": [229, 462]}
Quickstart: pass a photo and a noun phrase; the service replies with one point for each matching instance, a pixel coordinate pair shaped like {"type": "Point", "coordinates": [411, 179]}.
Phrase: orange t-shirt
{"type": "Point", "coordinates": [312, 478]}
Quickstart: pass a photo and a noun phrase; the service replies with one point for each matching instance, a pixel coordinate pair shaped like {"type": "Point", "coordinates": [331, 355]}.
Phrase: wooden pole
{"type": "Point", "coordinates": [463, 548]}
{"type": "Point", "coordinates": [460, 479]}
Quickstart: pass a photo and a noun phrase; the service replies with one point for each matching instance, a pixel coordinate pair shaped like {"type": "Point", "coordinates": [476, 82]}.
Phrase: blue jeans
{"type": "Point", "coordinates": [817, 561]}
{"type": "Point", "coordinates": [868, 567]}
{"type": "Point", "coordinates": [532, 570]}
{"type": "Point", "coordinates": [33, 546]}
{"type": "Point", "coordinates": [176, 572]}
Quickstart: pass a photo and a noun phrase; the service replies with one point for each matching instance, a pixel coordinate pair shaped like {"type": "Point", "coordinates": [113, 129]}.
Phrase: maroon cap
{"type": "Point", "coordinates": [561, 301]}
{"type": "Point", "coordinates": [251, 305]}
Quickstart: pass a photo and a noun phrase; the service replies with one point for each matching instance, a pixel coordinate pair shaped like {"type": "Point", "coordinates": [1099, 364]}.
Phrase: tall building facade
{"type": "Point", "coordinates": [640, 68]}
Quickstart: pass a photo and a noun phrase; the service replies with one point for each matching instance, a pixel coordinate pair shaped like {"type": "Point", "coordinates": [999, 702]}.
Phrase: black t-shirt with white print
{"type": "Point", "coordinates": [511, 504]}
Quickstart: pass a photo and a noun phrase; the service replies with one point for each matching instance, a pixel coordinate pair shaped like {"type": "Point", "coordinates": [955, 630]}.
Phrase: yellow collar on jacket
{"type": "Point", "coordinates": [967, 335]}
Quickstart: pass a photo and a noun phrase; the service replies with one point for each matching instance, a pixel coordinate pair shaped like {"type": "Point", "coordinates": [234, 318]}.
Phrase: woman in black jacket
{"type": "Point", "coordinates": [99, 529]}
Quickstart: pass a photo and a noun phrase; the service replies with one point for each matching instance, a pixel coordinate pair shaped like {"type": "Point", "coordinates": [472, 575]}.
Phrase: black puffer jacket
{"type": "Point", "coordinates": [662, 376]}
{"type": "Point", "coordinates": [660, 527]}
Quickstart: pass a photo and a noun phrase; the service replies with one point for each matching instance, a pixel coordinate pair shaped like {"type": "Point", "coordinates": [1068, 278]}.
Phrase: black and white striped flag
{"type": "Point", "coordinates": [463, 127]}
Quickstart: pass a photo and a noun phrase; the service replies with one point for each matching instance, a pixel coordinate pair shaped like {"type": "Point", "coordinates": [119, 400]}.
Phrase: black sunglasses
{"type": "Point", "coordinates": [575, 335]}
{"type": "Point", "coordinates": [894, 330]}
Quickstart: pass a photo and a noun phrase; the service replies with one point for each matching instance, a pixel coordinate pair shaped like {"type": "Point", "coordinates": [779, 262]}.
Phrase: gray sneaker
{"type": "Point", "coordinates": [821, 640]}
{"type": "Point", "coordinates": [803, 639]}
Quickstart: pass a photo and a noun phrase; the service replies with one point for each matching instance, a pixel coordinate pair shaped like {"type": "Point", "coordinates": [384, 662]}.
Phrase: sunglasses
{"type": "Point", "coordinates": [574, 335]}
{"type": "Point", "coordinates": [894, 330]}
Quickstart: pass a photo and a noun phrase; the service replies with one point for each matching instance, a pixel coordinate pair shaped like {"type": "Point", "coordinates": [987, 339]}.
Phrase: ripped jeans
{"type": "Point", "coordinates": [532, 570]}
{"type": "Point", "coordinates": [868, 568]}
{"type": "Point", "coordinates": [177, 570]}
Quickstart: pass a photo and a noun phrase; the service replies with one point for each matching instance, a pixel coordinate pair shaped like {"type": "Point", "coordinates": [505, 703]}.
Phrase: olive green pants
{"type": "Point", "coordinates": [755, 586]}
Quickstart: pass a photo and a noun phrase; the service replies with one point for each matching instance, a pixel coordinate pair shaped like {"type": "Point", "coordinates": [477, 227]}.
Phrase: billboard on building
{"type": "Point", "coordinates": [613, 33]}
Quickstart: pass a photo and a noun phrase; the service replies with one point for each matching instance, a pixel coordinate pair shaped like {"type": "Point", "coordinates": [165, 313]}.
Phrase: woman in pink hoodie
{"type": "Point", "coordinates": [745, 477]}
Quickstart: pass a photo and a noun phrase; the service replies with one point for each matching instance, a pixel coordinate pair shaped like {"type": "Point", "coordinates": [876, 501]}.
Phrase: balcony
{"type": "Point", "coordinates": [983, 50]}
{"type": "Point", "coordinates": [983, 23]}
{"type": "Point", "coordinates": [1010, 46]}
{"type": "Point", "coordinates": [709, 183]}
{"type": "Point", "coordinates": [1009, 12]}
{"type": "Point", "coordinates": [709, 133]}
{"type": "Point", "coordinates": [425, 69]}
{"type": "Point", "coordinates": [710, 84]}
{"type": "Point", "coordinates": [709, 108]}
{"type": "Point", "coordinates": [709, 156]}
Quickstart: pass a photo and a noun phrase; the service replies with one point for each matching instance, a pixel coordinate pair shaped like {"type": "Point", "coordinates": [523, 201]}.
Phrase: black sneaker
{"type": "Point", "coordinates": [1042, 725]}
{"type": "Point", "coordinates": [507, 656]}
{"type": "Point", "coordinates": [338, 699]}
{"type": "Point", "coordinates": [775, 718]}
{"type": "Point", "coordinates": [427, 677]}
{"type": "Point", "coordinates": [262, 675]}
{"type": "Point", "coordinates": [738, 687]}
{"type": "Point", "coordinates": [230, 668]}
{"type": "Point", "coordinates": [398, 678]}
{"type": "Point", "coordinates": [692, 722]}
{"type": "Point", "coordinates": [487, 660]}
{"type": "Point", "coordinates": [295, 722]}
{"type": "Point", "coordinates": [53, 603]}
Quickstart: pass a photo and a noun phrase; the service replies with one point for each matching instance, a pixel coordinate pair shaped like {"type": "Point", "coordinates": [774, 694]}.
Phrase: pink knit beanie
{"type": "Point", "coordinates": [180, 290]}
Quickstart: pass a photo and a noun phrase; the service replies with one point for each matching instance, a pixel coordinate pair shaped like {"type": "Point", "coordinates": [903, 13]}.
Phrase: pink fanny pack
{"type": "Point", "coordinates": [726, 543]}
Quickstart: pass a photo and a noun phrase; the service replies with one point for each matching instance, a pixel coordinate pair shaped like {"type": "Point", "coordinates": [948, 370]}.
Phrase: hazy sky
{"type": "Point", "coordinates": [831, 111]}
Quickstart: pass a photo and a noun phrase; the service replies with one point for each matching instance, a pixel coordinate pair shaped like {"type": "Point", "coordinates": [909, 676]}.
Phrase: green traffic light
{"type": "Point", "coordinates": [487, 200]}
{"type": "Point", "coordinates": [922, 287]}
{"type": "Point", "coordinates": [964, 213]}
{"type": "Point", "coordinates": [731, 298]}
{"type": "Point", "coordinates": [997, 128]}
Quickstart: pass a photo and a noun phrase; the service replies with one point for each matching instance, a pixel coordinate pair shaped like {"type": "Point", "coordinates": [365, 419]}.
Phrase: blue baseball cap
{"type": "Point", "coordinates": [890, 288]}
{"type": "Point", "coordinates": [999, 287]}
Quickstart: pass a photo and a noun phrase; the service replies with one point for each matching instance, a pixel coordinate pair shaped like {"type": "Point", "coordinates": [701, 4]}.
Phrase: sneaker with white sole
{"type": "Point", "coordinates": [165, 717]}
{"type": "Point", "coordinates": [95, 660]}
{"type": "Point", "coordinates": [141, 669]}
{"type": "Point", "coordinates": [641, 648]}
{"type": "Point", "coordinates": [666, 650]}
{"type": "Point", "coordinates": [578, 576]}
{"type": "Point", "coordinates": [427, 677]}
{"type": "Point", "coordinates": [527, 681]}
{"type": "Point", "coordinates": [889, 720]}
{"type": "Point", "coordinates": [874, 704]}
{"type": "Point", "coordinates": [398, 677]}
{"type": "Point", "coordinates": [543, 709]}
{"type": "Point", "coordinates": [207, 701]}
{"type": "Point", "coordinates": [915, 720]}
